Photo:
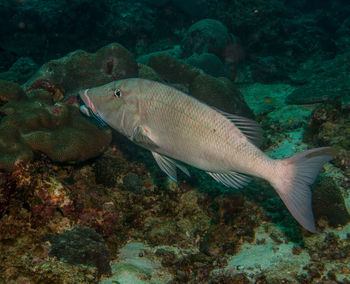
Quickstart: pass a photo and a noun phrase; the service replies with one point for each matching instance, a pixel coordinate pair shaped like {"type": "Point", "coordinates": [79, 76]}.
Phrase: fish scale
{"type": "Point", "coordinates": [186, 125]}
{"type": "Point", "coordinates": [180, 130]}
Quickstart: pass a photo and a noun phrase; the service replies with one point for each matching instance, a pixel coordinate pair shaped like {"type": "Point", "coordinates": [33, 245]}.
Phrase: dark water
{"type": "Point", "coordinates": [80, 203]}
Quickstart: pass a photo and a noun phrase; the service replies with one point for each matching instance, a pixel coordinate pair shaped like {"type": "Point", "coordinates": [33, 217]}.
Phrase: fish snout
{"type": "Point", "coordinates": [86, 100]}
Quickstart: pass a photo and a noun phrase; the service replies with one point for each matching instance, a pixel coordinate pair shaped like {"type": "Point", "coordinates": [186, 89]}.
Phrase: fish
{"type": "Point", "coordinates": [269, 99]}
{"type": "Point", "coordinates": [180, 130]}
{"type": "Point", "coordinates": [86, 111]}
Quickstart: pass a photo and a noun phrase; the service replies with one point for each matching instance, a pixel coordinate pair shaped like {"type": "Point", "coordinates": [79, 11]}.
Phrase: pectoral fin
{"type": "Point", "coordinates": [141, 137]}
{"type": "Point", "coordinates": [169, 166]}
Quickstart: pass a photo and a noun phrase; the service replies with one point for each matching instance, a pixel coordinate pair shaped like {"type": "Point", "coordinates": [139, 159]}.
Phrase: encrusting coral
{"type": "Point", "coordinates": [32, 123]}
{"type": "Point", "coordinates": [80, 69]}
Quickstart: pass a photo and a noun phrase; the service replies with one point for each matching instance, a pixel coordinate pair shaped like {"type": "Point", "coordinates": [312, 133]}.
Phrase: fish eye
{"type": "Point", "coordinates": [117, 93]}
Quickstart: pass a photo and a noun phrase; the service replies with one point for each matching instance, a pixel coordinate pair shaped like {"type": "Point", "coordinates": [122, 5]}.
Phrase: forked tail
{"type": "Point", "coordinates": [292, 181]}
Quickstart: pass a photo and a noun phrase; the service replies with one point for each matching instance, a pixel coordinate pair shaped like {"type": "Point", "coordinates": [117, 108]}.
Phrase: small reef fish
{"type": "Point", "coordinates": [178, 129]}
{"type": "Point", "coordinates": [88, 112]}
{"type": "Point", "coordinates": [269, 99]}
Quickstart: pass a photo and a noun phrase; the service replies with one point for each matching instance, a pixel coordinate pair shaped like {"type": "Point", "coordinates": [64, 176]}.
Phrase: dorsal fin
{"type": "Point", "coordinates": [251, 129]}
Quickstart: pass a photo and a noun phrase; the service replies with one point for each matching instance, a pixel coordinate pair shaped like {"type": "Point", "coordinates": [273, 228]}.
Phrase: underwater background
{"type": "Point", "coordinates": [79, 203]}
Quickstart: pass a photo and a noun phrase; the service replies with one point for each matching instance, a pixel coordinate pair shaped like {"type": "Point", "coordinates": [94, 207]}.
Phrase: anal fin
{"type": "Point", "coordinates": [231, 179]}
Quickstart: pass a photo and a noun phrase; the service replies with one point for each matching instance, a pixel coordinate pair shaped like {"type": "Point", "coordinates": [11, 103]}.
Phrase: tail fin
{"type": "Point", "coordinates": [293, 178]}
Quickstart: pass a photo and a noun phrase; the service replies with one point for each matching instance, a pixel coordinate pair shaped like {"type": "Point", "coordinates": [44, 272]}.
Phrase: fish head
{"type": "Point", "coordinates": [110, 101]}
{"type": "Point", "coordinates": [104, 99]}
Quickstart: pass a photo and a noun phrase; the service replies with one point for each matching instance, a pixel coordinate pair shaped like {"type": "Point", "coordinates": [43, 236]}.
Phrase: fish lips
{"type": "Point", "coordinates": [86, 100]}
{"type": "Point", "coordinates": [87, 107]}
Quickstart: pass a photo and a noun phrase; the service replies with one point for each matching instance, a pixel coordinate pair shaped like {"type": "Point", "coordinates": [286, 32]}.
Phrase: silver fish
{"type": "Point", "coordinates": [178, 130]}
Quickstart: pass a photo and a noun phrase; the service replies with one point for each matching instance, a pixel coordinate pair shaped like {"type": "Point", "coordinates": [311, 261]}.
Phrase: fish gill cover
{"type": "Point", "coordinates": [80, 203]}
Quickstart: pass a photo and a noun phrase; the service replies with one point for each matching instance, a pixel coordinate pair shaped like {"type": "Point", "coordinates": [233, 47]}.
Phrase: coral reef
{"type": "Point", "coordinates": [81, 246]}
{"type": "Point", "coordinates": [20, 71]}
{"type": "Point", "coordinates": [328, 201]}
{"type": "Point", "coordinates": [209, 63]}
{"type": "Point", "coordinates": [32, 123]}
{"type": "Point", "coordinates": [44, 198]}
{"type": "Point", "coordinates": [75, 208]}
{"type": "Point", "coordinates": [10, 91]}
{"type": "Point", "coordinates": [218, 92]}
{"type": "Point", "coordinates": [172, 70]}
{"type": "Point", "coordinates": [107, 170]}
{"type": "Point", "coordinates": [328, 125]}
{"type": "Point", "coordinates": [24, 255]}
{"type": "Point", "coordinates": [80, 70]}
{"type": "Point", "coordinates": [147, 72]}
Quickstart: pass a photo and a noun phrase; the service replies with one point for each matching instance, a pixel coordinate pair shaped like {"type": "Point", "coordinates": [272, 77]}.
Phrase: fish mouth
{"type": "Point", "coordinates": [87, 107]}
{"type": "Point", "coordinates": [84, 99]}
{"type": "Point", "coordinates": [80, 100]}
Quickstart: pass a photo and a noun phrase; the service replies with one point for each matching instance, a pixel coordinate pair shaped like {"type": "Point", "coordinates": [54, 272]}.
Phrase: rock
{"type": "Point", "coordinates": [172, 70]}
{"type": "Point", "coordinates": [311, 94]}
{"type": "Point", "coordinates": [324, 81]}
{"type": "Point", "coordinates": [327, 201]}
{"type": "Point", "coordinates": [209, 63]}
{"type": "Point", "coordinates": [20, 71]}
{"type": "Point", "coordinates": [80, 69]}
{"type": "Point", "coordinates": [206, 36]}
{"type": "Point", "coordinates": [220, 93]}
{"type": "Point", "coordinates": [217, 92]}
{"type": "Point", "coordinates": [58, 130]}
{"type": "Point", "coordinates": [136, 262]}
{"type": "Point", "coordinates": [147, 72]}
{"type": "Point", "coordinates": [108, 169]}
{"type": "Point", "coordinates": [175, 52]}
{"type": "Point", "coordinates": [81, 246]}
